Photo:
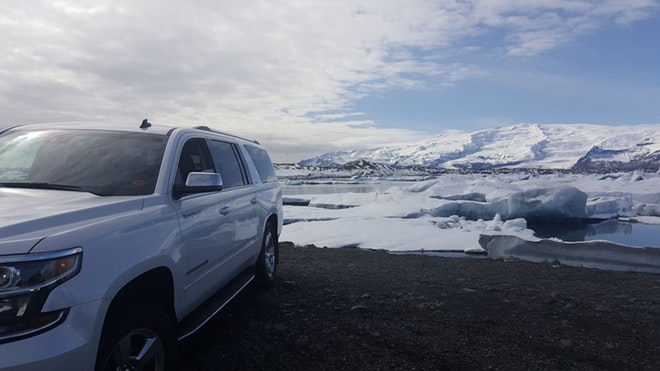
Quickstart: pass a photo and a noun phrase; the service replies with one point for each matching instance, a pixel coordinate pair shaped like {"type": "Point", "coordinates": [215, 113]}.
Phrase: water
{"type": "Point", "coordinates": [624, 233]}
{"type": "Point", "coordinates": [331, 188]}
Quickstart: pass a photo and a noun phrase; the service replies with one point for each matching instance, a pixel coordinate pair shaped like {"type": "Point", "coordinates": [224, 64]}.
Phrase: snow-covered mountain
{"type": "Point", "coordinates": [552, 146]}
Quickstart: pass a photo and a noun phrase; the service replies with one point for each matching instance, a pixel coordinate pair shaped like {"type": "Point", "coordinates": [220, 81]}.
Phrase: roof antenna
{"type": "Point", "coordinates": [145, 124]}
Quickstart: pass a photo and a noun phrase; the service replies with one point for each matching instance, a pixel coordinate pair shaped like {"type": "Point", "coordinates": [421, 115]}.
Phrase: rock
{"type": "Point", "coordinates": [280, 327]}
{"type": "Point", "coordinates": [359, 309]}
{"type": "Point", "coordinates": [566, 343]}
{"type": "Point", "coordinates": [301, 341]}
{"type": "Point", "coordinates": [289, 284]}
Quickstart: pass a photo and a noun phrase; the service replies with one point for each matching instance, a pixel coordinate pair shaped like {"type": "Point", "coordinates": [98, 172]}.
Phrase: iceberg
{"type": "Point", "coordinates": [592, 254]}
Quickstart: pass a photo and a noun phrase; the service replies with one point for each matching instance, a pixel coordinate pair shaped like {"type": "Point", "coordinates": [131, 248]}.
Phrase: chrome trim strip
{"type": "Point", "coordinates": [216, 310]}
{"type": "Point", "coordinates": [39, 256]}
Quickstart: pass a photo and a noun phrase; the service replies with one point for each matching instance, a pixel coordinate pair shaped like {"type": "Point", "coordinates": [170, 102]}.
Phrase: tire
{"type": "Point", "coordinates": [140, 338]}
{"type": "Point", "coordinates": [266, 267]}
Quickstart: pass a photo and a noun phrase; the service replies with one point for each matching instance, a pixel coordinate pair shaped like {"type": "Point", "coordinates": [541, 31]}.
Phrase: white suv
{"type": "Point", "coordinates": [116, 241]}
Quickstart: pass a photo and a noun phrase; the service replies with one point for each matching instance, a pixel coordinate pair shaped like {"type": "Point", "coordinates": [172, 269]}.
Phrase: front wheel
{"type": "Point", "coordinates": [138, 338]}
{"type": "Point", "coordinates": [266, 267]}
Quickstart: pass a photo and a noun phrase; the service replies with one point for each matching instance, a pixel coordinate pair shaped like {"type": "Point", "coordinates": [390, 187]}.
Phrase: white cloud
{"type": "Point", "coordinates": [285, 72]}
{"type": "Point", "coordinates": [537, 26]}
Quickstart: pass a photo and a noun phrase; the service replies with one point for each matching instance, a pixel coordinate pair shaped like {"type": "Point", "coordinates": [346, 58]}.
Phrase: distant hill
{"type": "Point", "coordinates": [550, 146]}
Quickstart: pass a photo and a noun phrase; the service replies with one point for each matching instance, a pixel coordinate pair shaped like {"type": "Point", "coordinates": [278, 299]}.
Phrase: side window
{"type": "Point", "coordinates": [262, 162]}
{"type": "Point", "coordinates": [195, 157]}
{"type": "Point", "coordinates": [229, 164]}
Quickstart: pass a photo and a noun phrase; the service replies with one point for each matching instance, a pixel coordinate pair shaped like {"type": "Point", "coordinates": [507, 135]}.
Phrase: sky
{"type": "Point", "coordinates": [310, 77]}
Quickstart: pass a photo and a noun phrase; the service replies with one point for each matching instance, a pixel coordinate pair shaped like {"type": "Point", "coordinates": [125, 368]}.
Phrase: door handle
{"type": "Point", "coordinates": [225, 210]}
{"type": "Point", "coordinates": [254, 200]}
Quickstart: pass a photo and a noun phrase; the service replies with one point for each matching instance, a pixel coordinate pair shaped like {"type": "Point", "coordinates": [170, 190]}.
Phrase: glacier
{"type": "Point", "coordinates": [547, 146]}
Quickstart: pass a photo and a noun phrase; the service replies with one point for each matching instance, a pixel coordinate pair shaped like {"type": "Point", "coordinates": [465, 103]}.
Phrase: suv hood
{"type": "Point", "coordinates": [29, 215]}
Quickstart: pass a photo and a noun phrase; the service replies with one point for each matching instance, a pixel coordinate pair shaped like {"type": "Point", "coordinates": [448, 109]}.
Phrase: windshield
{"type": "Point", "coordinates": [110, 163]}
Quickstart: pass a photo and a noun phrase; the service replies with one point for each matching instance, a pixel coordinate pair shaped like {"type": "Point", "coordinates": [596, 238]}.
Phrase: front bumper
{"type": "Point", "coordinates": [70, 346]}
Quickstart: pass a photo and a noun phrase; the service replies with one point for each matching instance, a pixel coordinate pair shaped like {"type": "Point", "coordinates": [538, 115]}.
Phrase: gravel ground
{"type": "Point", "coordinates": [350, 309]}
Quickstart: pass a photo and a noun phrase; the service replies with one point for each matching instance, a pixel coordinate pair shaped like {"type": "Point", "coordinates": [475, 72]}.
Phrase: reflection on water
{"type": "Point", "coordinates": [631, 234]}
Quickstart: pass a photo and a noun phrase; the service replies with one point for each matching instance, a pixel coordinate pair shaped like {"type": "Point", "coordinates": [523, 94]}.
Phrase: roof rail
{"type": "Point", "coordinates": [206, 128]}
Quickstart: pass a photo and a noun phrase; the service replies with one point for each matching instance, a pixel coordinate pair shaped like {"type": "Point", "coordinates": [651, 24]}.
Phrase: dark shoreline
{"type": "Point", "coordinates": [353, 309]}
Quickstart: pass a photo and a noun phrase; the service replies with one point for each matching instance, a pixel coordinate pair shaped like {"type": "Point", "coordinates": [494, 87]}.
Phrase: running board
{"type": "Point", "coordinates": [200, 316]}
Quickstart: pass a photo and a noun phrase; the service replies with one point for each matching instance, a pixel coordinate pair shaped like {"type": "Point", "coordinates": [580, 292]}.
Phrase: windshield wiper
{"type": "Point", "coordinates": [40, 185]}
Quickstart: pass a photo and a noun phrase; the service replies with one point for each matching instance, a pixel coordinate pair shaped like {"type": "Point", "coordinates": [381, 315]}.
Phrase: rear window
{"type": "Point", "coordinates": [228, 163]}
{"type": "Point", "coordinates": [263, 163]}
{"type": "Point", "coordinates": [110, 163]}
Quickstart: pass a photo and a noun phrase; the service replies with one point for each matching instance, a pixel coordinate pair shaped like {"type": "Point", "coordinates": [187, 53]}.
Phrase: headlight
{"type": "Point", "coordinates": [25, 282]}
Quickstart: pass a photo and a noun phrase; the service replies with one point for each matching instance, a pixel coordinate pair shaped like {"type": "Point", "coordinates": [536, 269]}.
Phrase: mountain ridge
{"type": "Point", "coordinates": [552, 146]}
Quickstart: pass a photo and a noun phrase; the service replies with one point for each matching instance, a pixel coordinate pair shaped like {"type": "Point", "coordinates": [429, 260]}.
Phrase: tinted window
{"type": "Point", "coordinates": [102, 162]}
{"type": "Point", "coordinates": [195, 157]}
{"type": "Point", "coordinates": [229, 164]}
{"type": "Point", "coordinates": [263, 163]}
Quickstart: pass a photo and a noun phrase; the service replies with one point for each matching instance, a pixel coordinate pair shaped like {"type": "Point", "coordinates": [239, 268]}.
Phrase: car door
{"type": "Point", "coordinates": [242, 209]}
{"type": "Point", "coordinates": [207, 228]}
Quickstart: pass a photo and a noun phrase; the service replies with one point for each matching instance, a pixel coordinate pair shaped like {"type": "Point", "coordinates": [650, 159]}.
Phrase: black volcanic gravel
{"type": "Point", "coordinates": [350, 309]}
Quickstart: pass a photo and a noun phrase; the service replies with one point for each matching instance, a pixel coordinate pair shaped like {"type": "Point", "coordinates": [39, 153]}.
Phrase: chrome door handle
{"type": "Point", "coordinates": [225, 210]}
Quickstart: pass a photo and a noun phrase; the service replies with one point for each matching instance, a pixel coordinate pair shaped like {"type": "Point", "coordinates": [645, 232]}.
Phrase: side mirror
{"type": "Point", "coordinates": [199, 182]}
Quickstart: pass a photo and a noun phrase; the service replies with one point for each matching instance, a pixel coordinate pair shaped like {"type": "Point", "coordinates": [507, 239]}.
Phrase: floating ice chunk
{"type": "Point", "coordinates": [474, 188]}
{"type": "Point", "coordinates": [594, 254]}
{"type": "Point", "coordinates": [547, 204]}
{"type": "Point", "coordinates": [647, 209]}
{"type": "Point", "coordinates": [470, 196]}
{"type": "Point", "coordinates": [609, 207]}
{"type": "Point", "coordinates": [535, 204]}
{"type": "Point", "coordinates": [518, 224]}
{"type": "Point", "coordinates": [468, 209]}
{"type": "Point", "coordinates": [421, 186]}
{"type": "Point", "coordinates": [494, 225]}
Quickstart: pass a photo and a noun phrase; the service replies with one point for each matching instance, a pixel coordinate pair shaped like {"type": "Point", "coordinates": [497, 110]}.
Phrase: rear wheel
{"type": "Point", "coordinates": [139, 338]}
{"type": "Point", "coordinates": [266, 268]}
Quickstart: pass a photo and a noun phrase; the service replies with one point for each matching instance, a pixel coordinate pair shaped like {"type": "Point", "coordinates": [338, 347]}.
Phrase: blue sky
{"type": "Point", "coordinates": [310, 77]}
{"type": "Point", "coordinates": [609, 77]}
